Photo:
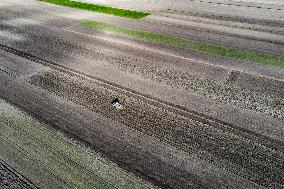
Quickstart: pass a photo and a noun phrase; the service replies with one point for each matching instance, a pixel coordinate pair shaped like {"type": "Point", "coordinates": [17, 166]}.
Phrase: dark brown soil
{"type": "Point", "coordinates": [229, 150]}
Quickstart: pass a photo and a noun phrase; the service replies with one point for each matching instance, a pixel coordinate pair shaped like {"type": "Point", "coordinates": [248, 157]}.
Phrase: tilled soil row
{"type": "Point", "coordinates": [131, 150]}
{"type": "Point", "coordinates": [225, 148]}
{"type": "Point", "coordinates": [239, 91]}
{"type": "Point", "coordinates": [273, 23]}
{"type": "Point", "coordinates": [11, 180]}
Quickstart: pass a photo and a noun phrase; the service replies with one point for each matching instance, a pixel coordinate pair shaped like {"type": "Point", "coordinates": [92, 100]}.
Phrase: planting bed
{"type": "Point", "coordinates": [248, 156]}
{"type": "Point", "coordinates": [50, 160]}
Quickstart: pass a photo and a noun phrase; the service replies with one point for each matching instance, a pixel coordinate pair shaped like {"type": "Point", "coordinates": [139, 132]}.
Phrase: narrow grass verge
{"type": "Point", "coordinates": [99, 8]}
{"type": "Point", "coordinates": [202, 47]}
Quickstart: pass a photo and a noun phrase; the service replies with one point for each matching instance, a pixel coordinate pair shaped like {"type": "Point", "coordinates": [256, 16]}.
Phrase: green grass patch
{"type": "Point", "coordinates": [99, 8]}
{"type": "Point", "coordinates": [202, 47]}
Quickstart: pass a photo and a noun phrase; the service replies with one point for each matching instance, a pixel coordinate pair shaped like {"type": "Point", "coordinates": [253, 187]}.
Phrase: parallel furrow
{"type": "Point", "coordinates": [254, 157]}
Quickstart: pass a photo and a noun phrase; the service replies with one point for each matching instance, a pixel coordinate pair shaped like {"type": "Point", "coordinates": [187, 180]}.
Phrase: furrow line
{"type": "Point", "coordinates": [202, 118]}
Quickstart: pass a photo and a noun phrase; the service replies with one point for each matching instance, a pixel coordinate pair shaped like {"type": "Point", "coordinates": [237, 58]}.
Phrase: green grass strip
{"type": "Point", "coordinates": [99, 8]}
{"type": "Point", "coordinates": [202, 47]}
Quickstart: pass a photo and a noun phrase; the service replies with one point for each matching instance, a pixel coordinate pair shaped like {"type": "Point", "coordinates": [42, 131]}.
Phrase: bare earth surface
{"type": "Point", "coordinates": [83, 108]}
